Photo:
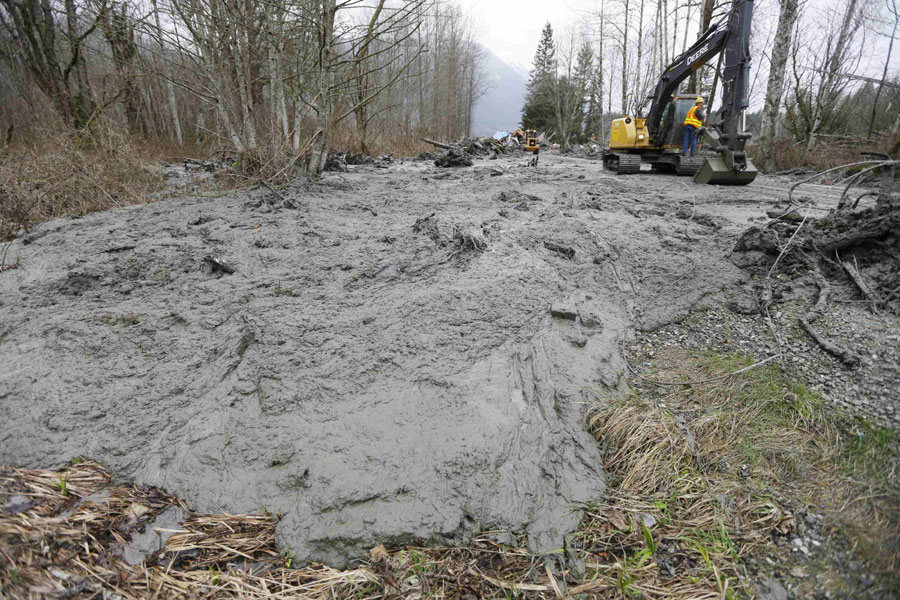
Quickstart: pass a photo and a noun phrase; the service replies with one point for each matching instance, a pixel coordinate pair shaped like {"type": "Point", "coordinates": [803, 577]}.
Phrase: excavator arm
{"type": "Point", "coordinates": [730, 35]}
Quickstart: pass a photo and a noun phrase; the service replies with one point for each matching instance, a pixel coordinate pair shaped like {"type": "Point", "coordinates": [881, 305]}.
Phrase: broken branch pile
{"type": "Point", "coordinates": [460, 153]}
{"type": "Point", "coordinates": [862, 247]}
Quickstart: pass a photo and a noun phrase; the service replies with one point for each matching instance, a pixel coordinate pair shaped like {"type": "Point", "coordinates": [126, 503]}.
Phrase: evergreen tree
{"type": "Point", "coordinates": [593, 123]}
{"type": "Point", "coordinates": [539, 111]}
{"type": "Point", "coordinates": [583, 79]}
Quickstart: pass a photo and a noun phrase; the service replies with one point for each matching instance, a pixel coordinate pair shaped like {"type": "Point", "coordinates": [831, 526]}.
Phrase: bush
{"type": "Point", "coordinates": [826, 154]}
{"type": "Point", "coordinates": [66, 173]}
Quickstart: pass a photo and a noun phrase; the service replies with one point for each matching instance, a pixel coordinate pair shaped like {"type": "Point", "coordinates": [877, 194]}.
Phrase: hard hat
{"type": "Point", "coordinates": [699, 99]}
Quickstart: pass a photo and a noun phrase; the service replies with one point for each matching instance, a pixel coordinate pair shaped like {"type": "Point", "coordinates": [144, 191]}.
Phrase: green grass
{"type": "Point", "coordinates": [764, 444]}
{"type": "Point", "coordinates": [63, 485]}
{"type": "Point", "coordinates": [869, 448]}
{"type": "Point", "coordinates": [283, 291]}
{"type": "Point", "coordinates": [124, 320]}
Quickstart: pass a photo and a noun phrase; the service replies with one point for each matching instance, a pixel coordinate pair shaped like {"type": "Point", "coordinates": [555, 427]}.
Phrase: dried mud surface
{"type": "Point", "coordinates": [315, 352]}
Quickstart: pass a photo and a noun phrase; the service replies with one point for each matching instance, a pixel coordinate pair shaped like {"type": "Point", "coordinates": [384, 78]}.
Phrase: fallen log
{"type": "Point", "coordinates": [562, 251]}
{"type": "Point", "coordinates": [436, 144]}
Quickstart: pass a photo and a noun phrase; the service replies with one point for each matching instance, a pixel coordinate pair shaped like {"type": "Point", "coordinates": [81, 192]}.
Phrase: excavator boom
{"type": "Point", "coordinates": [731, 37]}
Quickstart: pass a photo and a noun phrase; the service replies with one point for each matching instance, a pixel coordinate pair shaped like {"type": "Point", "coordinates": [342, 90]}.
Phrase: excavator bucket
{"type": "Point", "coordinates": [716, 172]}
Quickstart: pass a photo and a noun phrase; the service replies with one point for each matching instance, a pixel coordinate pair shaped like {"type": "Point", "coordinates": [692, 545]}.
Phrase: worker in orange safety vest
{"type": "Point", "coordinates": [692, 123]}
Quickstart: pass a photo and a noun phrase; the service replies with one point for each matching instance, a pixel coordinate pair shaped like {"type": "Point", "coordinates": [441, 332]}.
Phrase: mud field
{"type": "Point", "coordinates": [384, 356]}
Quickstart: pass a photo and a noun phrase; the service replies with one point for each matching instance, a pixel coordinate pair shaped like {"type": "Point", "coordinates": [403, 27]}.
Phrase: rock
{"type": "Point", "coordinates": [769, 589]}
{"type": "Point", "coordinates": [514, 196]}
{"type": "Point", "coordinates": [216, 265]}
{"type": "Point", "coordinates": [648, 520]}
{"type": "Point", "coordinates": [17, 504]}
{"type": "Point", "coordinates": [790, 217]}
{"type": "Point", "coordinates": [579, 341]}
{"type": "Point", "coordinates": [744, 304]}
{"type": "Point", "coordinates": [758, 239]}
{"type": "Point", "coordinates": [749, 258]}
{"type": "Point", "coordinates": [563, 311]}
{"type": "Point", "coordinates": [145, 543]}
{"type": "Point", "coordinates": [561, 250]}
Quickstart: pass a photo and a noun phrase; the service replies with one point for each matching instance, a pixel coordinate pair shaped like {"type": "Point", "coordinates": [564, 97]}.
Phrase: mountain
{"type": "Point", "coordinates": [500, 108]}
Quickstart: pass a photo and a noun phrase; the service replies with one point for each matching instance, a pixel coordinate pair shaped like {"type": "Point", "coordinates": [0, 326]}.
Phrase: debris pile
{"type": "Point", "coordinates": [859, 247]}
{"type": "Point", "coordinates": [339, 161]}
{"type": "Point", "coordinates": [454, 157]}
{"type": "Point", "coordinates": [336, 163]}
{"type": "Point", "coordinates": [460, 153]}
{"type": "Point", "coordinates": [589, 150]}
{"type": "Point", "coordinates": [470, 238]}
{"type": "Point", "coordinates": [862, 247]}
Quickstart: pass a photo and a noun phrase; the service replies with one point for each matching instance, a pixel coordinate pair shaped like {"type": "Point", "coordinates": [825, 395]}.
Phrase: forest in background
{"type": "Point", "coordinates": [811, 72]}
{"type": "Point", "coordinates": [95, 91]}
{"type": "Point", "coordinates": [272, 84]}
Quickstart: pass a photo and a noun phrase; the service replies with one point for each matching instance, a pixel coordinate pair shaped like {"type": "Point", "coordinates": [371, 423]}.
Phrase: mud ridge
{"type": "Point", "coordinates": [384, 357]}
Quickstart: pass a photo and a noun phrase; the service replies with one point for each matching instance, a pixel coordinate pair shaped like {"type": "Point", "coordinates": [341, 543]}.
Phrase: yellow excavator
{"type": "Point", "coordinates": [656, 139]}
{"type": "Point", "coordinates": [528, 138]}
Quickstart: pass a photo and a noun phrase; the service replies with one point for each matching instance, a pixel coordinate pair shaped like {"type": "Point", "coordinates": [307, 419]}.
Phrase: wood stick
{"type": "Point", "coordinates": [817, 310]}
{"type": "Point", "coordinates": [437, 144]}
{"type": "Point", "coordinates": [857, 277]}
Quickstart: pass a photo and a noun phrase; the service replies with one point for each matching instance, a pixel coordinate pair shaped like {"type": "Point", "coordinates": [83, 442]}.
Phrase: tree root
{"type": "Point", "coordinates": [817, 310]}
{"type": "Point", "coordinates": [857, 277]}
{"type": "Point", "coordinates": [765, 301]}
{"type": "Point", "coordinates": [469, 239]}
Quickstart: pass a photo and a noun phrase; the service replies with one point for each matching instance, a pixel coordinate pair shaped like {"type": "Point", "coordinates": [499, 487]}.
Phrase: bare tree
{"type": "Point", "coordinates": [705, 21]}
{"type": "Point", "coordinates": [170, 86]}
{"type": "Point", "coordinates": [892, 9]}
{"type": "Point", "coordinates": [62, 76]}
{"type": "Point", "coordinates": [787, 19]}
{"type": "Point", "coordinates": [837, 54]}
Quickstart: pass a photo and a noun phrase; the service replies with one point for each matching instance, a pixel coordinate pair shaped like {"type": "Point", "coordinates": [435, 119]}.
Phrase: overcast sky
{"type": "Point", "coordinates": [512, 28]}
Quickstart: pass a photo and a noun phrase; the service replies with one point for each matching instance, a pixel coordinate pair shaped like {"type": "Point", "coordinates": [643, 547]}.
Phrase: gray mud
{"type": "Point", "coordinates": [313, 353]}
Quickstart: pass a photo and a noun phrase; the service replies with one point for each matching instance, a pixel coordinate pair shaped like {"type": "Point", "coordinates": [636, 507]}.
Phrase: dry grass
{"type": "Point", "coordinates": [723, 467]}
{"type": "Point", "coordinates": [69, 174]}
{"type": "Point", "coordinates": [716, 471]}
{"type": "Point", "coordinates": [827, 154]}
{"type": "Point", "coordinates": [63, 173]}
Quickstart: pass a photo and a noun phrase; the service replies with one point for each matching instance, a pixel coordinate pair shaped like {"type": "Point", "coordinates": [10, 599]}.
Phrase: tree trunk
{"type": "Point", "coordinates": [598, 127]}
{"type": "Point", "coordinates": [625, 60]}
{"type": "Point", "coordinates": [832, 72]}
{"type": "Point", "coordinates": [787, 18]}
{"type": "Point", "coordinates": [83, 105]}
{"type": "Point", "coordinates": [324, 99]}
{"type": "Point", "coordinates": [241, 59]}
{"type": "Point", "coordinates": [705, 20]}
{"type": "Point", "coordinates": [276, 84]}
{"type": "Point", "coordinates": [170, 87]}
{"type": "Point", "coordinates": [687, 26]}
{"type": "Point", "coordinates": [896, 13]}
{"type": "Point", "coordinates": [638, 84]}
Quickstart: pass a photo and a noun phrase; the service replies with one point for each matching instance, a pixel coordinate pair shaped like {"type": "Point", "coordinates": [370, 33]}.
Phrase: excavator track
{"type": "Point", "coordinates": [623, 164]}
{"type": "Point", "coordinates": [689, 165]}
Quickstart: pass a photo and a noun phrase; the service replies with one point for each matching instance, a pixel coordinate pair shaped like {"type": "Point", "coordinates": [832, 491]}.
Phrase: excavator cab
{"type": "Point", "coordinates": [656, 137]}
{"type": "Point", "coordinates": [531, 141]}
